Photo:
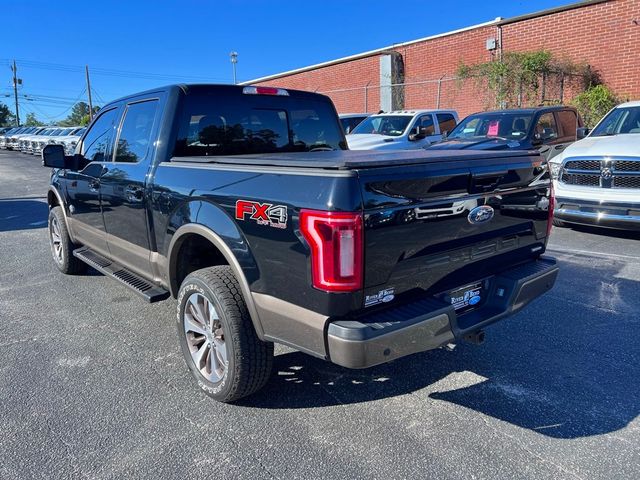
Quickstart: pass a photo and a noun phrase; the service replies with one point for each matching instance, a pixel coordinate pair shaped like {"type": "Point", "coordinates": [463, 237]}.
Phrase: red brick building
{"type": "Point", "coordinates": [604, 34]}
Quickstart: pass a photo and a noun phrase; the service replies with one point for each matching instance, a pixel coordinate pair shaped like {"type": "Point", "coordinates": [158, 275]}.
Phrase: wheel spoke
{"type": "Point", "coordinates": [192, 325]}
{"type": "Point", "coordinates": [198, 309]}
{"type": "Point", "coordinates": [221, 350]}
{"type": "Point", "coordinates": [199, 356]}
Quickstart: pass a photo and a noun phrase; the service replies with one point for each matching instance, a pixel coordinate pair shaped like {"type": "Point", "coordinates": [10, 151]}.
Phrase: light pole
{"type": "Point", "coordinates": [234, 60]}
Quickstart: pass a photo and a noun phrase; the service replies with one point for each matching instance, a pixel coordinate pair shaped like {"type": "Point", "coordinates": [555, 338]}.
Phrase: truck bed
{"type": "Point", "coordinates": [356, 159]}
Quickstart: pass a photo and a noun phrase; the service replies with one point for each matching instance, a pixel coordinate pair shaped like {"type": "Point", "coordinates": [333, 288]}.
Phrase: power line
{"type": "Point", "coordinates": [108, 71]}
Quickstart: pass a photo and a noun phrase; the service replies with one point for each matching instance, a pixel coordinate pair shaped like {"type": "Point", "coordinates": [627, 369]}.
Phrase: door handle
{"type": "Point", "coordinates": [134, 194]}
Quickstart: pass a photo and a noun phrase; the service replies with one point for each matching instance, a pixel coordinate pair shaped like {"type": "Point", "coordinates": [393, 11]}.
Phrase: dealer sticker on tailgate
{"type": "Point", "coordinates": [467, 297]}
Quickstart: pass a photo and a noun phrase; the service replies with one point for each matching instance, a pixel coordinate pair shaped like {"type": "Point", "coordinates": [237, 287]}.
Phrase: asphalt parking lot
{"type": "Point", "coordinates": [93, 385]}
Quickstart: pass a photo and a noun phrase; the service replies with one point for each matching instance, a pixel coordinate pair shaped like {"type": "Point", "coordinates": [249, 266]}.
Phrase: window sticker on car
{"type": "Point", "coordinates": [493, 128]}
{"type": "Point", "coordinates": [262, 213]}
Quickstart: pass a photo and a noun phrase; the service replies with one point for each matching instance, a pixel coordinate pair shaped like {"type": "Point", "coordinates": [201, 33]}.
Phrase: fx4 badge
{"type": "Point", "coordinates": [262, 213]}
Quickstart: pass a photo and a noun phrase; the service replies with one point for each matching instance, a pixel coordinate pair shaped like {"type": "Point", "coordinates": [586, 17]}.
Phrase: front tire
{"type": "Point", "coordinates": [61, 245]}
{"type": "Point", "coordinates": [218, 341]}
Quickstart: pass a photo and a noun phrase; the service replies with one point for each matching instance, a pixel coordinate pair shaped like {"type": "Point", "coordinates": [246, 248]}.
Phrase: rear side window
{"type": "Point", "coordinates": [212, 123]}
{"type": "Point", "coordinates": [568, 123]}
{"type": "Point", "coordinates": [135, 133]}
{"type": "Point", "coordinates": [96, 142]}
{"type": "Point", "coordinates": [446, 122]}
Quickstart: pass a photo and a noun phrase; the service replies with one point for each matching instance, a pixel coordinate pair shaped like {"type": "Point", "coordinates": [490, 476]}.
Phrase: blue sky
{"type": "Point", "coordinates": [134, 45]}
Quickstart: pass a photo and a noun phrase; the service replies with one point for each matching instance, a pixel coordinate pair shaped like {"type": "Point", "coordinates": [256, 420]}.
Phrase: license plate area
{"type": "Point", "coordinates": [466, 298]}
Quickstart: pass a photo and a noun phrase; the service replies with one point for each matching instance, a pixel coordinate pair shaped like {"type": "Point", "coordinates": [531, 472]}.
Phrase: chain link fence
{"type": "Point", "coordinates": [466, 95]}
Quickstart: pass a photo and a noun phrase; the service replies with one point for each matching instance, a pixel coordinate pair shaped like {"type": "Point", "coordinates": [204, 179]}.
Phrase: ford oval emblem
{"type": "Point", "coordinates": [474, 300]}
{"type": "Point", "coordinates": [480, 214]}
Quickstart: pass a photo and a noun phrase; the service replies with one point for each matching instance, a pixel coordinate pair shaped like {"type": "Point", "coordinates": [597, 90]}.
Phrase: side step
{"type": "Point", "coordinates": [150, 292]}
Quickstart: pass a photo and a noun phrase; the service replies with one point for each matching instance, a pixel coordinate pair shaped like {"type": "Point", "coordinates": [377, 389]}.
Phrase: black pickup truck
{"type": "Point", "coordinates": [244, 205]}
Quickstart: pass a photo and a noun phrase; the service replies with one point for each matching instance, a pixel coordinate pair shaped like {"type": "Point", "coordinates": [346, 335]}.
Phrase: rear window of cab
{"type": "Point", "coordinates": [212, 122]}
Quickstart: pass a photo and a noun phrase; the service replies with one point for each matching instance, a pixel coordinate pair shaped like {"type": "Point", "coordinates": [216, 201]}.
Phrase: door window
{"type": "Point", "coordinates": [96, 142]}
{"type": "Point", "coordinates": [425, 123]}
{"type": "Point", "coordinates": [546, 128]}
{"type": "Point", "coordinates": [136, 130]}
{"type": "Point", "coordinates": [568, 123]}
{"type": "Point", "coordinates": [446, 122]}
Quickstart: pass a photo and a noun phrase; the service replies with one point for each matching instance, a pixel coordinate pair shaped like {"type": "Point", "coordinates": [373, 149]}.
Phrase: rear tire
{"type": "Point", "coordinates": [61, 245]}
{"type": "Point", "coordinates": [217, 337]}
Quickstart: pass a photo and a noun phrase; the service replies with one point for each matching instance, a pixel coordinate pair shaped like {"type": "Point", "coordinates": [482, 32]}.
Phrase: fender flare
{"type": "Point", "coordinates": [54, 190]}
{"type": "Point", "coordinates": [221, 245]}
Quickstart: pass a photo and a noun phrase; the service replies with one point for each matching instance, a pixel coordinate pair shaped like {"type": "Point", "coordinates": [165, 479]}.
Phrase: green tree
{"type": "Point", "coordinates": [79, 115]}
{"type": "Point", "coordinates": [32, 121]}
{"type": "Point", "coordinates": [594, 103]}
{"type": "Point", "coordinates": [7, 119]}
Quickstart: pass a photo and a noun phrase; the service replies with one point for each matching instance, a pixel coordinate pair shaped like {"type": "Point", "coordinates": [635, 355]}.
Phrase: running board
{"type": "Point", "coordinates": [150, 292]}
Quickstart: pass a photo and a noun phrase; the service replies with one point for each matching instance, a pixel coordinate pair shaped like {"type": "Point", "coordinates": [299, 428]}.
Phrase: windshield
{"type": "Point", "coordinates": [619, 121]}
{"type": "Point", "coordinates": [512, 126]}
{"type": "Point", "coordinates": [392, 125]}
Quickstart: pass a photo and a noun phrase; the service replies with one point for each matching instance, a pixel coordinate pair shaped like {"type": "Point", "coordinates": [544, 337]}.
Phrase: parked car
{"type": "Point", "coordinates": [351, 120]}
{"type": "Point", "coordinates": [6, 134]}
{"type": "Point", "coordinates": [548, 129]}
{"type": "Point", "coordinates": [52, 138]}
{"type": "Point", "coordinates": [12, 140]}
{"type": "Point", "coordinates": [70, 140]}
{"type": "Point", "coordinates": [401, 130]}
{"type": "Point", "coordinates": [244, 204]}
{"type": "Point", "coordinates": [7, 140]}
{"type": "Point", "coordinates": [24, 141]}
{"type": "Point", "coordinates": [597, 179]}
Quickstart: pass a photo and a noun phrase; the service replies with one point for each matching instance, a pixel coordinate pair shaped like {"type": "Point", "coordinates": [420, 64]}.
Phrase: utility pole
{"type": "Point", "coordinates": [15, 91]}
{"type": "Point", "coordinates": [234, 60]}
{"type": "Point", "coordinates": [86, 70]}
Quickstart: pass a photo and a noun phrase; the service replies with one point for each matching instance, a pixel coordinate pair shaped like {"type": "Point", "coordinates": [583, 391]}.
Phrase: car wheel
{"type": "Point", "coordinates": [218, 341]}
{"type": "Point", "coordinates": [62, 246]}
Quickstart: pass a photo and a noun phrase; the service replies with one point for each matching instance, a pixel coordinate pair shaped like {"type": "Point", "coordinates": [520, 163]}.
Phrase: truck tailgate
{"type": "Point", "coordinates": [424, 232]}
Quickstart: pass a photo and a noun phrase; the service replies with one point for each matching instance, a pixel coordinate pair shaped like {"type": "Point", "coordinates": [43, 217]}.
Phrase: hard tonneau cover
{"type": "Point", "coordinates": [353, 159]}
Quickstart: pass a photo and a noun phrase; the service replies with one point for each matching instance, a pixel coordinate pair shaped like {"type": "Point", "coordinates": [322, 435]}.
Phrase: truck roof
{"type": "Point", "coordinates": [546, 108]}
{"type": "Point", "coordinates": [354, 159]}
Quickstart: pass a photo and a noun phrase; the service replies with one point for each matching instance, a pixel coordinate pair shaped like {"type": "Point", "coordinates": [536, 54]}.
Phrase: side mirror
{"type": "Point", "coordinates": [416, 135]}
{"type": "Point", "coordinates": [445, 133]}
{"type": "Point", "coordinates": [53, 157]}
{"type": "Point", "coordinates": [582, 132]}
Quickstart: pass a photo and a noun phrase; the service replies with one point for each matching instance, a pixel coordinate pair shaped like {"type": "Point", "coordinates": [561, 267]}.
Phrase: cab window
{"type": "Point", "coordinates": [446, 122]}
{"type": "Point", "coordinates": [135, 134]}
{"type": "Point", "coordinates": [96, 142]}
{"type": "Point", "coordinates": [546, 128]}
{"type": "Point", "coordinates": [568, 123]}
{"type": "Point", "coordinates": [426, 125]}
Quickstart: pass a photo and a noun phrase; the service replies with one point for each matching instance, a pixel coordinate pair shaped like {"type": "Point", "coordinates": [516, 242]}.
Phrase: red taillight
{"type": "Point", "coordinates": [552, 206]}
{"type": "Point", "coordinates": [265, 91]}
{"type": "Point", "coordinates": [336, 243]}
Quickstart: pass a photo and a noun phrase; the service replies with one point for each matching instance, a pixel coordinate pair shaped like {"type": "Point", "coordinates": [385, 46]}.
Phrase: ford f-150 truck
{"type": "Point", "coordinates": [244, 204]}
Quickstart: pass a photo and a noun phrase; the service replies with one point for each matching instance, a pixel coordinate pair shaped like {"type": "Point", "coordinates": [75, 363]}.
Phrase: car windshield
{"type": "Point", "coordinates": [512, 126]}
{"type": "Point", "coordinates": [392, 125]}
{"type": "Point", "coordinates": [619, 121]}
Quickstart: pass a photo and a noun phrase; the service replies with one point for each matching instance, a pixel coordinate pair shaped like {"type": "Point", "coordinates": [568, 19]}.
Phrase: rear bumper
{"type": "Point", "coordinates": [621, 215]}
{"type": "Point", "coordinates": [431, 323]}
